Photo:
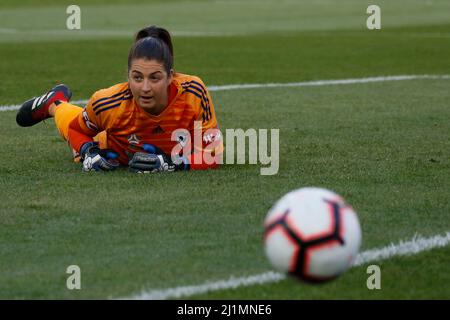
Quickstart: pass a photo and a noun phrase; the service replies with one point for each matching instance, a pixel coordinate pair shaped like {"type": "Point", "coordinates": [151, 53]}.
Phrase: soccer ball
{"type": "Point", "coordinates": [311, 233]}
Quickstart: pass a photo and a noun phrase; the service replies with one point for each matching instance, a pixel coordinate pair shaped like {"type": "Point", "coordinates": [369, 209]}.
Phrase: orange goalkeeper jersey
{"type": "Point", "coordinates": [128, 127]}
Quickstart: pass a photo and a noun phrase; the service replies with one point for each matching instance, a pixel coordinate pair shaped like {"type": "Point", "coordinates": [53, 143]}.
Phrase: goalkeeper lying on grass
{"type": "Point", "coordinates": [136, 123]}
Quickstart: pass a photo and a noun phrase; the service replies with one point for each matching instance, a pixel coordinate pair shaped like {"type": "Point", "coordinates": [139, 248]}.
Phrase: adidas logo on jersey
{"type": "Point", "coordinates": [158, 130]}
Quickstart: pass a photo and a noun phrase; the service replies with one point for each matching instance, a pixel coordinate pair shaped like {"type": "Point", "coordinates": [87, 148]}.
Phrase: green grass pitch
{"type": "Point", "coordinates": [384, 146]}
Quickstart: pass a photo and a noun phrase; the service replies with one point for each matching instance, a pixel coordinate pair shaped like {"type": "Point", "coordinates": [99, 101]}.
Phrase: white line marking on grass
{"type": "Point", "coordinates": [404, 248]}
{"type": "Point", "coordinates": [17, 106]}
{"type": "Point", "coordinates": [8, 30]}
{"type": "Point", "coordinates": [231, 283]}
{"type": "Point", "coordinates": [326, 82]}
{"type": "Point", "coordinates": [416, 245]}
{"type": "Point", "coordinates": [295, 84]}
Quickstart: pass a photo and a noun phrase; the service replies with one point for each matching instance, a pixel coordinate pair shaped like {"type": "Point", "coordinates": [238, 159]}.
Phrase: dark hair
{"type": "Point", "coordinates": [152, 43]}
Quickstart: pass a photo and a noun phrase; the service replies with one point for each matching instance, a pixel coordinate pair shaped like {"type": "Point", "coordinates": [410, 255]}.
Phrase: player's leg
{"type": "Point", "coordinates": [64, 113]}
{"type": "Point", "coordinates": [54, 104]}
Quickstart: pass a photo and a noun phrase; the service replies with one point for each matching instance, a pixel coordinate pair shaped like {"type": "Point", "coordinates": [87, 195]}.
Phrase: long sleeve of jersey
{"type": "Point", "coordinates": [207, 154]}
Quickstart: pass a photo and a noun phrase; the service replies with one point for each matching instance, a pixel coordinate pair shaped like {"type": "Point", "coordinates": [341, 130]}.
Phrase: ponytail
{"type": "Point", "coordinates": [155, 32]}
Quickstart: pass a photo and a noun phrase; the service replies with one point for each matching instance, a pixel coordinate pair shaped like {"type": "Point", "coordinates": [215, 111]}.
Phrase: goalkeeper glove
{"type": "Point", "coordinates": [97, 159]}
{"type": "Point", "coordinates": [155, 160]}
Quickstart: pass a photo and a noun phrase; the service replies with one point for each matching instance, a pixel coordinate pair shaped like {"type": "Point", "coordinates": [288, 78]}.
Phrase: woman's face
{"type": "Point", "coordinates": [149, 81]}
